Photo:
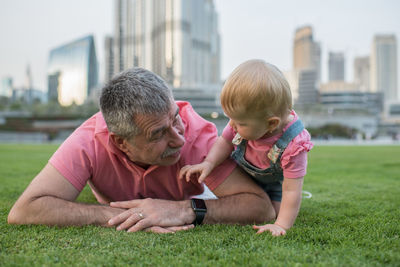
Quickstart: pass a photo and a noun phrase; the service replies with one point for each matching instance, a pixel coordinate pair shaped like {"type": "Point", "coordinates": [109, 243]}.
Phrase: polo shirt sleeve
{"type": "Point", "coordinates": [74, 158]}
{"type": "Point", "coordinates": [201, 135]}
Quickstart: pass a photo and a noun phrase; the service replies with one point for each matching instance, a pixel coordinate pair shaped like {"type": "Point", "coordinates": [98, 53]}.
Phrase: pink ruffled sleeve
{"type": "Point", "coordinates": [294, 159]}
{"type": "Point", "coordinates": [228, 133]}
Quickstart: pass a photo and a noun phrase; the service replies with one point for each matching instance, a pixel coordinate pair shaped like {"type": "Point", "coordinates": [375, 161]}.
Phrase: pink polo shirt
{"type": "Point", "coordinates": [88, 156]}
{"type": "Point", "coordinates": [294, 158]}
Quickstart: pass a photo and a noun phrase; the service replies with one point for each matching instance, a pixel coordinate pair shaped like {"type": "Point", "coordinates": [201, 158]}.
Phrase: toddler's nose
{"type": "Point", "coordinates": [232, 124]}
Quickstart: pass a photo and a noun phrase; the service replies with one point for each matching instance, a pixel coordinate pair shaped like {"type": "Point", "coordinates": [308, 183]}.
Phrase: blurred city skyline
{"type": "Point", "coordinates": [259, 29]}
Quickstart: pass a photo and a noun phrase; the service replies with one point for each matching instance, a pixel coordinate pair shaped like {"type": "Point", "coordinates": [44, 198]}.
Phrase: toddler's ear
{"type": "Point", "coordinates": [273, 123]}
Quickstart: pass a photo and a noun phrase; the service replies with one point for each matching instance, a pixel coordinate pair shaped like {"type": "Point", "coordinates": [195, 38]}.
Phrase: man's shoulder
{"type": "Point", "coordinates": [88, 133]}
{"type": "Point", "coordinates": [195, 125]}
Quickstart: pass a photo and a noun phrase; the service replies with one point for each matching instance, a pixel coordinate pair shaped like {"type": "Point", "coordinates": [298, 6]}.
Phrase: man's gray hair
{"type": "Point", "coordinates": [130, 93]}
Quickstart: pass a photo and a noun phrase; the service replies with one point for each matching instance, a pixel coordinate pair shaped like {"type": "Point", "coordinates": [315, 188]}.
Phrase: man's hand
{"type": "Point", "coordinates": [201, 170]}
{"type": "Point", "coordinates": [142, 214]}
{"type": "Point", "coordinates": [276, 230]}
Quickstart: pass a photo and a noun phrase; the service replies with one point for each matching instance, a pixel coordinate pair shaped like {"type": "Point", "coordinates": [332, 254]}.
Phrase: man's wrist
{"type": "Point", "coordinates": [187, 212]}
{"type": "Point", "coordinates": [106, 213]}
{"type": "Point", "coordinates": [200, 209]}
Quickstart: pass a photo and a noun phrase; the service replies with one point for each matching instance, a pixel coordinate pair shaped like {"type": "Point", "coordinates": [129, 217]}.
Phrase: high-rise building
{"type": "Point", "coordinates": [384, 66]}
{"type": "Point", "coordinates": [306, 52]}
{"type": "Point", "coordinates": [72, 71]}
{"type": "Point", "coordinates": [6, 87]}
{"type": "Point", "coordinates": [292, 77]}
{"type": "Point", "coordinates": [361, 73]}
{"type": "Point", "coordinates": [308, 91]}
{"type": "Point", "coordinates": [307, 65]}
{"type": "Point", "coordinates": [177, 39]}
{"type": "Point", "coordinates": [109, 57]}
{"type": "Point", "coordinates": [336, 66]}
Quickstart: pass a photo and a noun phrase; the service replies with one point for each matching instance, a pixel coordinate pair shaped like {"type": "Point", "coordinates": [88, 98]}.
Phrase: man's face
{"type": "Point", "coordinates": [159, 141]}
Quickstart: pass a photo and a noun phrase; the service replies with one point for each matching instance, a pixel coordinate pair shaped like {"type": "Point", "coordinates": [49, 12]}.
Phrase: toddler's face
{"type": "Point", "coordinates": [249, 127]}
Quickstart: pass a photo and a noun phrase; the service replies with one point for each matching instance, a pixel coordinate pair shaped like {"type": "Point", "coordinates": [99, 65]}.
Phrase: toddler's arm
{"type": "Point", "coordinates": [218, 153]}
{"type": "Point", "coordinates": [290, 206]}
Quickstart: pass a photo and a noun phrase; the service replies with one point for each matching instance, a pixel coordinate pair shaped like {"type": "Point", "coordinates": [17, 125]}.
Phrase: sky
{"type": "Point", "coordinates": [249, 29]}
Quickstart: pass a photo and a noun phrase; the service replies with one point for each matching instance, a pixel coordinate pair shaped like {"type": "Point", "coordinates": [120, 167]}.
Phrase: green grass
{"type": "Point", "coordinates": [351, 220]}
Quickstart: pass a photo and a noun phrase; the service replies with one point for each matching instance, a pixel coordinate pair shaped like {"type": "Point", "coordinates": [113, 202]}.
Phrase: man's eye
{"type": "Point", "coordinates": [176, 120]}
{"type": "Point", "coordinates": [156, 137]}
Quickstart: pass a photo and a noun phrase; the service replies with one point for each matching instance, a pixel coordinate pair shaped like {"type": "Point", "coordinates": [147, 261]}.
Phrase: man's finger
{"type": "Point", "coordinates": [140, 225]}
{"type": "Point", "coordinates": [159, 230]}
{"type": "Point", "coordinates": [120, 218]}
{"type": "Point", "coordinates": [181, 228]}
{"type": "Point", "coordinates": [126, 204]}
{"type": "Point", "coordinates": [132, 220]}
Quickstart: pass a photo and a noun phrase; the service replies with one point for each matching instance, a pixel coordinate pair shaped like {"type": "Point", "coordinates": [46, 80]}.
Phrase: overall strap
{"type": "Point", "coordinates": [294, 130]}
{"type": "Point", "coordinates": [277, 149]}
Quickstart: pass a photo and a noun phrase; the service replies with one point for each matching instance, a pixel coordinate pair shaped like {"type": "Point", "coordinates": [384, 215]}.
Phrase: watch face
{"type": "Point", "coordinates": [199, 204]}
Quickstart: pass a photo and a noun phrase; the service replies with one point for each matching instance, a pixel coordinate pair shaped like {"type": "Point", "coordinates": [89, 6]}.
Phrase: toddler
{"type": "Point", "coordinates": [266, 136]}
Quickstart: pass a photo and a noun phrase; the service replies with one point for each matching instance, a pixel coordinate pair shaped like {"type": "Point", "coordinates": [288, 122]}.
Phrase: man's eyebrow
{"type": "Point", "coordinates": [156, 131]}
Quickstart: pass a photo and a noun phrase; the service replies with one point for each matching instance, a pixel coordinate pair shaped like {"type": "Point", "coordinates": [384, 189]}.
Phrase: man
{"type": "Point", "coordinates": [130, 154]}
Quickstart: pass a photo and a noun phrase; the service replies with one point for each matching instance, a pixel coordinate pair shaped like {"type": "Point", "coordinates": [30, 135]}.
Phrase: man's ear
{"type": "Point", "coordinates": [119, 142]}
{"type": "Point", "coordinates": [273, 123]}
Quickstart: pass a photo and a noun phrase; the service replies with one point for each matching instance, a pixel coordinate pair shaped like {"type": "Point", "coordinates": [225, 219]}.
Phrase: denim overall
{"type": "Point", "coordinates": [269, 179]}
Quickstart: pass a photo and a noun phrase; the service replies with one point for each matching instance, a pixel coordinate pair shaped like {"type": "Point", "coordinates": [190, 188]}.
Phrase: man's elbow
{"type": "Point", "coordinates": [17, 215]}
{"type": "Point", "coordinates": [13, 216]}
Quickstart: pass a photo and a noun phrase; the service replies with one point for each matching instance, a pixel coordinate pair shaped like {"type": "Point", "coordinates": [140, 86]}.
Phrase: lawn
{"type": "Point", "coordinates": [352, 219]}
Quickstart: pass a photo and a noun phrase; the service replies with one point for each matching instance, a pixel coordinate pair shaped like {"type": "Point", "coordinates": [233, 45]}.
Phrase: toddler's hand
{"type": "Point", "coordinates": [203, 169]}
{"type": "Point", "coordinates": [275, 229]}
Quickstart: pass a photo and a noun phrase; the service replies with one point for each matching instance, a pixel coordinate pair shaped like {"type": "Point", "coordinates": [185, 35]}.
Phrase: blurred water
{"type": "Point", "coordinates": [32, 137]}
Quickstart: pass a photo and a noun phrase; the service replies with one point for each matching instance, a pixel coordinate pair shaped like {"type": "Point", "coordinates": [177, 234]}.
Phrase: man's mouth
{"type": "Point", "coordinates": [171, 153]}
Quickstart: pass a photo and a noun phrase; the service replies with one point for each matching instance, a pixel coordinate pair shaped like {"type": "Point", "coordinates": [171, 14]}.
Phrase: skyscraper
{"type": "Point", "coordinates": [72, 72]}
{"type": "Point", "coordinates": [384, 66]}
{"type": "Point", "coordinates": [177, 39]}
{"type": "Point", "coordinates": [361, 73]}
{"type": "Point", "coordinates": [6, 87]}
{"type": "Point", "coordinates": [336, 66]}
{"type": "Point", "coordinates": [306, 52]}
{"type": "Point", "coordinates": [308, 92]}
{"type": "Point", "coordinates": [109, 57]}
{"type": "Point", "coordinates": [307, 65]}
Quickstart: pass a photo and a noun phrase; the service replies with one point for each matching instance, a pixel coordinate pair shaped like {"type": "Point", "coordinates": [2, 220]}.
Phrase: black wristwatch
{"type": "Point", "coordinates": [200, 209]}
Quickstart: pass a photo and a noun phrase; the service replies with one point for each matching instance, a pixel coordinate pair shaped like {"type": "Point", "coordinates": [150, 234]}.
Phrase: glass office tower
{"type": "Point", "coordinates": [72, 72]}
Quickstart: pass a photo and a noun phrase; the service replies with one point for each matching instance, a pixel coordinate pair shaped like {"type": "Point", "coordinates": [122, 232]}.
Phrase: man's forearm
{"type": "Point", "coordinates": [242, 208]}
{"type": "Point", "coordinates": [51, 210]}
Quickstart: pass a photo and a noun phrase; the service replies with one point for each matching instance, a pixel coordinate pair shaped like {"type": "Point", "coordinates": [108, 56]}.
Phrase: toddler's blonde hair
{"type": "Point", "coordinates": [257, 87]}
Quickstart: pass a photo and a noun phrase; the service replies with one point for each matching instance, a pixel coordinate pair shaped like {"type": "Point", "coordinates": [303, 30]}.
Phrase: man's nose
{"type": "Point", "coordinates": [177, 138]}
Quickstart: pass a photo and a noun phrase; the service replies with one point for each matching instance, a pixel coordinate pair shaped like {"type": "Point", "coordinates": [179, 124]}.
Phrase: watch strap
{"type": "Point", "coordinates": [200, 210]}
